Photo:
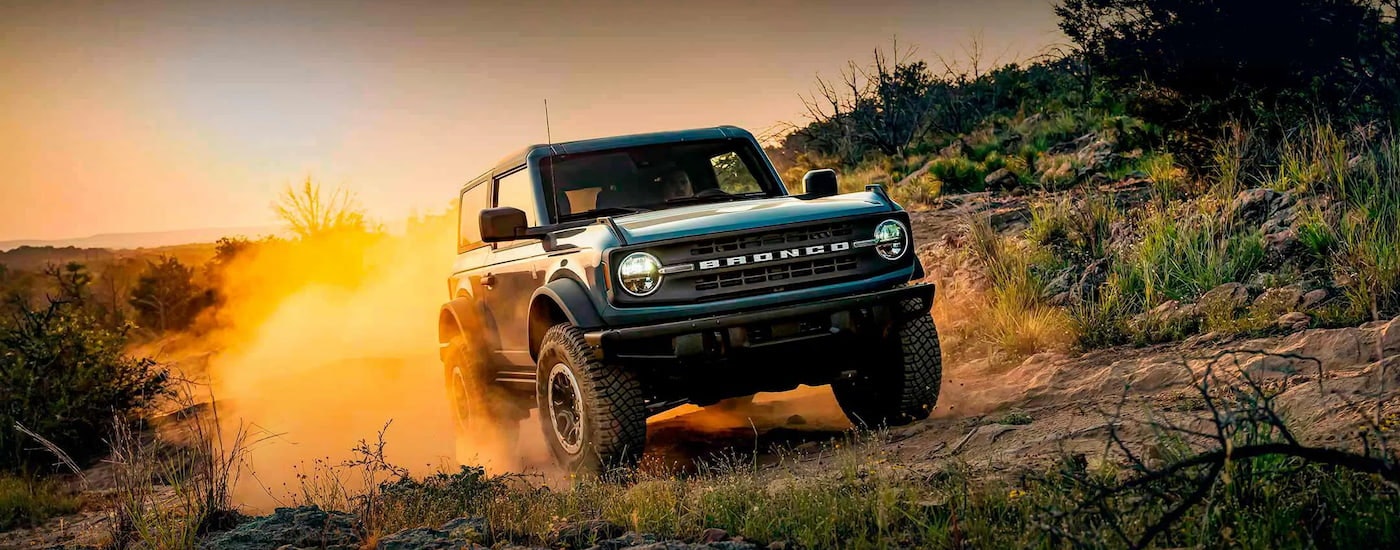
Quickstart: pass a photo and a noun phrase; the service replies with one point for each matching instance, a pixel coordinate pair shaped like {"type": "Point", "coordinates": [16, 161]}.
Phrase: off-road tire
{"type": "Point", "coordinates": [485, 418]}
{"type": "Point", "coordinates": [902, 385]}
{"type": "Point", "coordinates": [613, 417]}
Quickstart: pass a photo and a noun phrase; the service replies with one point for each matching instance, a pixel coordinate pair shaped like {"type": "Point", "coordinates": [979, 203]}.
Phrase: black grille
{"type": "Point", "coordinates": [763, 241]}
{"type": "Point", "coordinates": [772, 259]}
{"type": "Point", "coordinates": [762, 275]}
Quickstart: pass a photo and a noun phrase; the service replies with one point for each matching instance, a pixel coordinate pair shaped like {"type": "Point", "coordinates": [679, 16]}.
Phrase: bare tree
{"type": "Point", "coordinates": [1242, 435]}
{"type": "Point", "coordinates": [311, 212]}
{"type": "Point", "coordinates": [884, 105]}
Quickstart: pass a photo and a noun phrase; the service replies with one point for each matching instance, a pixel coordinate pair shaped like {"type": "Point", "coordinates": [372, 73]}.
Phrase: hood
{"type": "Point", "coordinates": [729, 216]}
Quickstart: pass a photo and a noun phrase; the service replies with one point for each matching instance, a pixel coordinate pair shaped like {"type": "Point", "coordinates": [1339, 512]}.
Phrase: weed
{"type": "Point", "coordinates": [1016, 418]}
{"type": "Point", "coordinates": [1103, 320]}
{"type": "Point", "coordinates": [1189, 249]}
{"type": "Point", "coordinates": [1014, 316]}
{"type": "Point", "coordinates": [1168, 179]}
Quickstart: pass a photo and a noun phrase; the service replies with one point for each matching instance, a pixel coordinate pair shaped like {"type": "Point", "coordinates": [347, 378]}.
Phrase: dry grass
{"type": "Point", "coordinates": [167, 495]}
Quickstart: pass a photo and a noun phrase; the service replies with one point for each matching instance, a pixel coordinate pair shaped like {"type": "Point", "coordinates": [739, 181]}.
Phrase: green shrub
{"type": "Point", "coordinates": [1050, 224]}
{"type": "Point", "coordinates": [992, 162]}
{"type": "Point", "coordinates": [922, 190]}
{"type": "Point", "coordinates": [1313, 156]}
{"type": "Point", "coordinates": [28, 502]}
{"type": "Point", "coordinates": [1048, 131]}
{"type": "Point", "coordinates": [958, 174]}
{"type": "Point", "coordinates": [859, 501]}
{"type": "Point", "coordinates": [67, 378]}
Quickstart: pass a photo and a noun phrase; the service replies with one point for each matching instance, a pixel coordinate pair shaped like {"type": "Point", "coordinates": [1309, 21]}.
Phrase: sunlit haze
{"type": "Point", "coordinates": [147, 116]}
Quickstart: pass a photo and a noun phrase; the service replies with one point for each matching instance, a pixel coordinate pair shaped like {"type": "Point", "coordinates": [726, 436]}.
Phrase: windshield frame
{"type": "Point", "coordinates": [755, 161]}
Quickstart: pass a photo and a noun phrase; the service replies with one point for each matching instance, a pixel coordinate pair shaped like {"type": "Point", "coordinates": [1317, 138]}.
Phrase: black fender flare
{"type": "Point", "coordinates": [563, 296]}
{"type": "Point", "coordinates": [459, 316]}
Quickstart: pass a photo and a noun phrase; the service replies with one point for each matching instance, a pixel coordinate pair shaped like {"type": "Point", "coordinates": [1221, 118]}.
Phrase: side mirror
{"type": "Point", "coordinates": [820, 183]}
{"type": "Point", "coordinates": [503, 224]}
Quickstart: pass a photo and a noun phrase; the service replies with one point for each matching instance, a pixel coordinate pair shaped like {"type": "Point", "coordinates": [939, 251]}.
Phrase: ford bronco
{"type": "Point", "coordinates": [607, 280]}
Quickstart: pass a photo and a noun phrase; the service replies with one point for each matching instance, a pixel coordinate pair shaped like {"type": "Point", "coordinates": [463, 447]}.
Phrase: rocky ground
{"type": "Point", "coordinates": [991, 417]}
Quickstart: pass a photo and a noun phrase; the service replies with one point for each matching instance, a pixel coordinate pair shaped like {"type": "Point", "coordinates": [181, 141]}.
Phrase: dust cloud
{"type": "Point", "coordinates": [321, 342]}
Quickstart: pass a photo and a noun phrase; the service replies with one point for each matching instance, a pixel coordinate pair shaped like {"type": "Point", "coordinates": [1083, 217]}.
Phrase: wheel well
{"type": "Point", "coordinates": [447, 326]}
{"type": "Point", "coordinates": [544, 313]}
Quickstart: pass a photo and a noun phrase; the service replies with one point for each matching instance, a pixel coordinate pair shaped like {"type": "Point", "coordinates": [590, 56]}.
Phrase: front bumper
{"type": "Point", "coordinates": [719, 336]}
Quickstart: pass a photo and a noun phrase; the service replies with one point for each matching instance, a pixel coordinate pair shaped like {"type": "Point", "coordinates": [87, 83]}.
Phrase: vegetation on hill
{"type": "Point", "coordinates": [1179, 178]}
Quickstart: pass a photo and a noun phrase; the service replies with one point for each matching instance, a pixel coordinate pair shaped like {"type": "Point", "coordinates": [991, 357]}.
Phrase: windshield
{"type": "Point", "coordinates": [653, 177]}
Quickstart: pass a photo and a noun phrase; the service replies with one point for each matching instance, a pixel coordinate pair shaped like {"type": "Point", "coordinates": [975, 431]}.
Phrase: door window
{"type": "Point", "coordinates": [517, 190]}
{"type": "Point", "coordinates": [473, 201]}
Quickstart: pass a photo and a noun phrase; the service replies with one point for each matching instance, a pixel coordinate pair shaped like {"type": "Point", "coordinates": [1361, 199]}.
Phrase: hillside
{"type": "Point", "coordinates": [147, 239]}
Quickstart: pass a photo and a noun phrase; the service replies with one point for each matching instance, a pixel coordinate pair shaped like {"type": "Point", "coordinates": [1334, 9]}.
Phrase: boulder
{"type": "Point", "coordinates": [1282, 299]}
{"type": "Point", "coordinates": [1253, 206]}
{"type": "Point", "coordinates": [1388, 338]}
{"type": "Point", "coordinates": [460, 533]}
{"type": "Point", "coordinates": [958, 148]}
{"type": "Point", "coordinates": [1002, 179]}
{"type": "Point", "coordinates": [713, 535]}
{"type": "Point", "coordinates": [1094, 156]}
{"type": "Point", "coordinates": [1312, 298]}
{"type": "Point", "coordinates": [1225, 298]}
{"type": "Point", "coordinates": [1073, 145]}
{"type": "Point", "coordinates": [1093, 276]}
{"type": "Point", "coordinates": [1282, 246]}
{"type": "Point", "coordinates": [581, 534]}
{"type": "Point", "coordinates": [1294, 321]}
{"type": "Point", "coordinates": [301, 527]}
{"type": "Point", "coordinates": [1061, 283]}
{"type": "Point", "coordinates": [1170, 313]}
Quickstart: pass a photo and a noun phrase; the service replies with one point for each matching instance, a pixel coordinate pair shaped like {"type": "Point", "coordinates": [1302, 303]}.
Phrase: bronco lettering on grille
{"type": "Point", "coordinates": [761, 257]}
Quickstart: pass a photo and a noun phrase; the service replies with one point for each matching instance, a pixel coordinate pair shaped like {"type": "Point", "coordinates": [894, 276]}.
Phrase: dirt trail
{"type": "Point", "coordinates": [1061, 402]}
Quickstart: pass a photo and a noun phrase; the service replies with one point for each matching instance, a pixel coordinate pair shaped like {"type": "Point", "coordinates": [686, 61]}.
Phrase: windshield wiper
{"type": "Point", "coordinates": [698, 199]}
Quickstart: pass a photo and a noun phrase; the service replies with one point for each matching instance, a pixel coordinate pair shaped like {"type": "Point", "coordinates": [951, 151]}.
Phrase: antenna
{"type": "Point", "coordinates": [548, 137]}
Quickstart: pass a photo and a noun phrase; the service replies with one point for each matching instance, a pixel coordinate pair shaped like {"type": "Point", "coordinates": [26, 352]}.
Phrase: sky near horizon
{"type": "Point", "coordinates": [151, 116]}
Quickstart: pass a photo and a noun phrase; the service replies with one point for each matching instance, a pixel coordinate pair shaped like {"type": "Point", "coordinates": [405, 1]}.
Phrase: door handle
{"type": "Point", "coordinates": [488, 280]}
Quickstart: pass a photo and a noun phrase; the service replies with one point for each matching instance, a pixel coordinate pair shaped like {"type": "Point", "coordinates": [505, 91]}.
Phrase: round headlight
{"type": "Point", "coordinates": [639, 273]}
{"type": "Point", "coordinates": [891, 239]}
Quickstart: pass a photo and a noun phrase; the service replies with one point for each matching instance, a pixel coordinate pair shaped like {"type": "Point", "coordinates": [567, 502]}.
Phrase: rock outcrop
{"type": "Point", "coordinates": [292, 528]}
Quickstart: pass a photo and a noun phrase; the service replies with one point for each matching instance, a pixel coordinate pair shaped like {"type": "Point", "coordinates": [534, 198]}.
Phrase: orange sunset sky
{"type": "Point", "coordinates": [129, 116]}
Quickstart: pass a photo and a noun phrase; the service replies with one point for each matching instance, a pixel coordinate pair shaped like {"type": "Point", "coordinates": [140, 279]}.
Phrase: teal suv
{"type": "Point", "coordinates": [606, 280]}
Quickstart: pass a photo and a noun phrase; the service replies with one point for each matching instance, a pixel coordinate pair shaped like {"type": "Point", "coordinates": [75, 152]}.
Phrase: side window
{"type": "Point", "coordinates": [733, 175]}
{"type": "Point", "coordinates": [474, 200]}
{"type": "Point", "coordinates": [517, 189]}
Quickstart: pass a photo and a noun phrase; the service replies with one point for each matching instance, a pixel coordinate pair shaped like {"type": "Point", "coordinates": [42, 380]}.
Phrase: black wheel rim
{"type": "Point", "coordinates": [565, 408]}
{"type": "Point", "coordinates": [461, 399]}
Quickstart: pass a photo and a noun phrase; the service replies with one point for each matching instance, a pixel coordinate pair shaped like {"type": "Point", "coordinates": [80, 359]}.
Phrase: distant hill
{"type": "Point", "coordinates": [149, 239]}
{"type": "Point", "coordinates": [30, 258]}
